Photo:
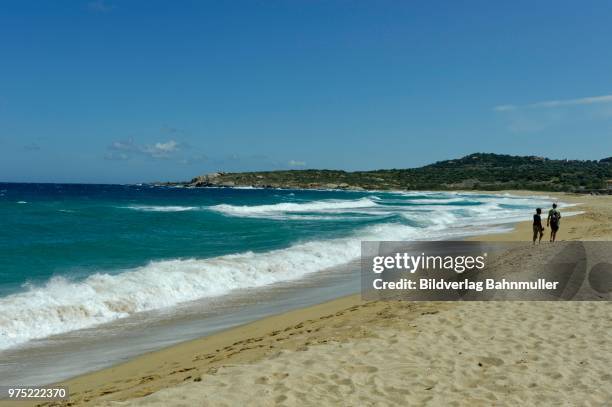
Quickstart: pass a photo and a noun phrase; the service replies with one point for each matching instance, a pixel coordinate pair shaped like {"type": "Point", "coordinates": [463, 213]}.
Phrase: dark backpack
{"type": "Point", "coordinates": [554, 216]}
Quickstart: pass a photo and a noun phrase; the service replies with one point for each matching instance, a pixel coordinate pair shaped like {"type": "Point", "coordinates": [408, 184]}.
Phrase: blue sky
{"type": "Point", "coordinates": [130, 91]}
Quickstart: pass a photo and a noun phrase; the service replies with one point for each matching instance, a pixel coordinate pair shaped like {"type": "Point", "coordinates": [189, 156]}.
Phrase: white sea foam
{"type": "Point", "coordinates": [160, 208]}
{"type": "Point", "coordinates": [445, 201]}
{"type": "Point", "coordinates": [404, 204]}
{"type": "Point", "coordinates": [62, 305]}
{"type": "Point", "coordinates": [292, 207]}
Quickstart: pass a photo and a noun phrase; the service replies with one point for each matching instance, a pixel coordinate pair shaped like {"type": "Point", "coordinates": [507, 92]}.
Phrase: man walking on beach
{"type": "Point", "coordinates": [538, 229]}
{"type": "Point", "coordinates": [554, 217]}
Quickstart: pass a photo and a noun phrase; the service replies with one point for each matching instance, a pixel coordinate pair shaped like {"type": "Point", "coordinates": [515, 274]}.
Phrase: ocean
{"type": "Point", "coordinates": [77, 258]}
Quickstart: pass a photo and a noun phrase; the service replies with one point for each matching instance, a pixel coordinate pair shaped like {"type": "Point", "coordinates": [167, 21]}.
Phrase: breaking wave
{"type": "Point", "coordinates": [292, 207]}
{"type": "Point", "coordinates": [63, 305]}
{"type": "Point", "coordinates": [160, 208]}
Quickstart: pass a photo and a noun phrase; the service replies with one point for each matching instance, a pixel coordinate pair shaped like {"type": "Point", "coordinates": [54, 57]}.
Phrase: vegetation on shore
{"type": "Point", "coordinates": [480, 171]}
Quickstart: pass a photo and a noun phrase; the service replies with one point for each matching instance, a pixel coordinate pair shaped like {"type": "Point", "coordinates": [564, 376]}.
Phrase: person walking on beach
{"type": "Point", "coordinates": [538, 229]}
{"type": "Point", "coordinates": [554, 218]}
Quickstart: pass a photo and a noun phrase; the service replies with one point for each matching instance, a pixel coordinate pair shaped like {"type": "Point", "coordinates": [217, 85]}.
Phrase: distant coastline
{"type": "Point", "coordinates": [479, 171]}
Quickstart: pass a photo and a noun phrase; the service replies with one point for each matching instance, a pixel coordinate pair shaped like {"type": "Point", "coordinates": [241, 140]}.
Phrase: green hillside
{"type": "Point", "coordinates": [478, 171]}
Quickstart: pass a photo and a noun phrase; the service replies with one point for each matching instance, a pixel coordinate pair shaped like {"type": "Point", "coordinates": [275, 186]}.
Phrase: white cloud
{"type": "Point", "coordinates": [31, 147]}
{"type": "Point", "coordinates": [99, 6]}
{"type": "Point", "coordinates": [294, 163]}
{"type": "Point", "coordinates": [111, 156]}
{"type": "Point", "coordinates": [157, 150]}
{"type": "Point", "coordinates": [124, 145]}
{"type": "Point", "coordinates": [590, 100]}
{"type": "Point", "coordinates": [504, 108]}
{"type": "Point", "coordinates": [161, 150]}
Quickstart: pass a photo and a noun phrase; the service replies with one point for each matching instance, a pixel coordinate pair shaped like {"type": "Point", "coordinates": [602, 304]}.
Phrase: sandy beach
{"type": "Point", "coordinates": [305, 203]}
{"type": "Point", "coordinates": [351, 352]}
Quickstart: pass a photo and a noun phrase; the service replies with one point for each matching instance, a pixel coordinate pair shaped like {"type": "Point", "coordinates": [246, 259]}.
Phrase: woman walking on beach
{"type": "Point", "coordinates": [554, 217]}
{"type": "Point", "coordinates": [537, 226]}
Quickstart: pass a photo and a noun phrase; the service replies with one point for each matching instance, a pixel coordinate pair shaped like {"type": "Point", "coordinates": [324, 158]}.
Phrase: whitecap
{"type": "Point", "coordinates": [291, 207]}
{"type": "Point", "coordinates": [160, 208]}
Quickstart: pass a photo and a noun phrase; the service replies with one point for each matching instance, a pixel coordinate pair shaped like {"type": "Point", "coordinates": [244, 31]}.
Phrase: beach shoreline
{"type": "Point", "coordinates": [347, 321]}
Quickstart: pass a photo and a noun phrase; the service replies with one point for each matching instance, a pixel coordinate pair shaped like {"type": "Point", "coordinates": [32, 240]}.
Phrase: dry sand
{"type": "Point", "coordinates": [401, 354]}
{"type": "Point", "coordinates": [349, 352]}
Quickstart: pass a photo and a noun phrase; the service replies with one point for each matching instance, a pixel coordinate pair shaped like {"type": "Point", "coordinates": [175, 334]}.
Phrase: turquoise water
{"type": "Point", "coordinates": [74, 256]}
{"type": "Point", "coordinates": [77, 230]}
